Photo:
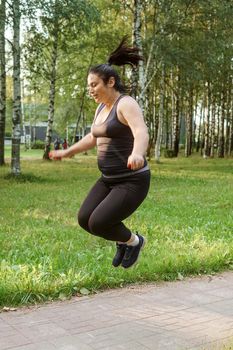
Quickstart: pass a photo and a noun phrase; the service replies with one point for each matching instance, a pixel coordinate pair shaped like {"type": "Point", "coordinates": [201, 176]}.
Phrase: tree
{"type": "Point", "coordinates": [161, 116]}
{"type": "Point", "coordinates": [2, 80]}
{"type": "Point", "coordinates": [16, 119]}
{"type": "Point", "coordinates": [138, 73]}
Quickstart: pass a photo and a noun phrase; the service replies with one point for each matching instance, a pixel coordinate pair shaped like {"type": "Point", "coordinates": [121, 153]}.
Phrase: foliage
{"type": "Point", "coordinates": [37, 145]}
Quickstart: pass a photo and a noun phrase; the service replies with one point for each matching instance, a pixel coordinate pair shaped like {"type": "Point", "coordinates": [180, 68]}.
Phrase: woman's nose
{"type": "Point", "coordinates": [90, 91]}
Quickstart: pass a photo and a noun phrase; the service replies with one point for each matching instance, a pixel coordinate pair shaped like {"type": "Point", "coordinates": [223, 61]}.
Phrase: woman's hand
{"type": "Point", "coordinates": [135, 161]}
{"type": "Point", "coordinates": [57, 155]}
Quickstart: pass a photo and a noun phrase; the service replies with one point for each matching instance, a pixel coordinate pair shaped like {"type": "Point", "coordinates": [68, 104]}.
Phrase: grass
{"type": "Point", "coordinates": [25, 154]}
{"type": "Point", "coordinates": [187, 219]}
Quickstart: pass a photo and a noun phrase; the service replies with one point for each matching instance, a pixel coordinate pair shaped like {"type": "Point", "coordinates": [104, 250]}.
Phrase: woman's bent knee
{"type": "Point", "coordinates": [83, 220]}
{"type": "Point", "coordinates": [97, 226]}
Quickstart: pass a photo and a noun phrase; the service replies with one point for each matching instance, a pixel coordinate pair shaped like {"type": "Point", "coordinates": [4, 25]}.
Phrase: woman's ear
{"type": "Point", "coordinates": [111, 82]}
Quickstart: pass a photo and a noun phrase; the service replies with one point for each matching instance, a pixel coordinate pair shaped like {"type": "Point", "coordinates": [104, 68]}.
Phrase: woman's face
{"type": "Point", "coordinates": [98, 90]}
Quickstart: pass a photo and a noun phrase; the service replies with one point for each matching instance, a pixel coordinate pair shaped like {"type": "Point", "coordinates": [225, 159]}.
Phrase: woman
{"type": "Point", "coordinates": [121, 137]}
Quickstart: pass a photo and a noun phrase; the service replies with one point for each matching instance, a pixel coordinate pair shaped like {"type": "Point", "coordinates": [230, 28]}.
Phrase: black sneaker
{"type": "Point", "coordinates": [119, 254]}
{"type": "Point", "coordinates": [132, 253]}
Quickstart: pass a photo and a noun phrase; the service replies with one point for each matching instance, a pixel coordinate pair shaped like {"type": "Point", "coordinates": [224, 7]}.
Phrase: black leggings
{"type": "Point", "coordinates": [109, 202]}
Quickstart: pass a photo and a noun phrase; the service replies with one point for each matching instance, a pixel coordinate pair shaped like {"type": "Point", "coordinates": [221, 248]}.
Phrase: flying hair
{"type": "Point", "coordinates": [125, 54]}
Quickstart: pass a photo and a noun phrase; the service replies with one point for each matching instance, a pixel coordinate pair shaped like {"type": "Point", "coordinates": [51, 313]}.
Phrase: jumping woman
{"type": "Point", "coordinates": [121, 137]}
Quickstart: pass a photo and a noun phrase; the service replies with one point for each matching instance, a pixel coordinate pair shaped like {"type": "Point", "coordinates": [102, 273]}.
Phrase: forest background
{"type": "Point", "coordinates": [184, 84]}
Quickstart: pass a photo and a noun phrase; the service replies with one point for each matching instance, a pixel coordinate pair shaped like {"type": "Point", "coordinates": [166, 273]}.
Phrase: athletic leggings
{"type": "Point", "coordinates": [109, 202]}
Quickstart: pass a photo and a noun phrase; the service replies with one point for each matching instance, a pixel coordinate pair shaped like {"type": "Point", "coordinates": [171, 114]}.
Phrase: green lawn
{"type": "Point", "coordinates": [187, 219]}
{"type": "Point", "coordinates": [25, 154]}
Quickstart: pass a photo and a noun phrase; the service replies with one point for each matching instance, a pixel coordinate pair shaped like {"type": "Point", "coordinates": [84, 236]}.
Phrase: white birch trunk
{"type": "Point", "coordinates": [2, 80]}
{"type": "Point", "coordinates": [16, 120]}
{"type": "Point", "coordinates": [52, 91]}
{"type": "Point", "coordinates": [176, 117]}
{"type": "Point", "coordinates": [189, 125]}
{"type": "Point", "coordinates": [212, 131]}
{"type": "Point", "coordinates": [23, 115]}
{"type": "Point", "coordinates": [206, 151]}
{"type": "Point", "coordinates": [221, 136]}
{"type": "Point", "coordinates": [138, 75]}
{"type": "Point", "coordinates": [161, 115]}
{"type": "Point", "coordinates": [228, 118]}
{"type": "Point", "coordinates": [230, 150]}
{"type": "Point", "coordinates": [198, 145]}
{"type": "Point", "coordinates": [172, 112]}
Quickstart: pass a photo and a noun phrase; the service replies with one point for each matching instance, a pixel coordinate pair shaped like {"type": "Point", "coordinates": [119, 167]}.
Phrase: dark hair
{"type": "Point", "coordinates": [119, 57]}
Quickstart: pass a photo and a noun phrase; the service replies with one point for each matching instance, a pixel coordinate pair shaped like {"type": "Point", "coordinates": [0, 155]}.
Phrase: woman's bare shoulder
{"type": "Point", "coordinates": [127, 98]}
{"type": "Point", "coordinates": [127, 102]}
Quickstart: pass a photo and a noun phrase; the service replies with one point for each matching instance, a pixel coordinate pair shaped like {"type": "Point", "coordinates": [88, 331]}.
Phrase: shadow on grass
{"type": "Point", "coordinates": [23, 178]}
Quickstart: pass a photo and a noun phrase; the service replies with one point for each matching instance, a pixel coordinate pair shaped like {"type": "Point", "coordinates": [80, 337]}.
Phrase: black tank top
{"type": "Point", "coordinates": [114, 143]}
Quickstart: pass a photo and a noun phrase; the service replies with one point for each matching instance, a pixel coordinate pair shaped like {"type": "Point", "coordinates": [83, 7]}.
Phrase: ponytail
{"type": "Point", "coordinates": [122, 55]}
{"type": "Point", "coordinates": [125, 54]}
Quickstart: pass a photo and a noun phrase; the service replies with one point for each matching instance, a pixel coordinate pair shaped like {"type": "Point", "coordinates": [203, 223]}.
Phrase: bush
{"type": "Point", "coordinates": [37, 145]}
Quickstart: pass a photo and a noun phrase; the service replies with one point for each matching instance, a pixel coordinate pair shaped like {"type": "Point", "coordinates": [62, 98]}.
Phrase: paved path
{"type": "Point", "coordinates": [191, 314]}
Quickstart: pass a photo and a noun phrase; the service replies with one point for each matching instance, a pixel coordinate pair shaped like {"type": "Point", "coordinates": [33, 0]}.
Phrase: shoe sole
{"type": "Point", "coordinates": [142, 247]}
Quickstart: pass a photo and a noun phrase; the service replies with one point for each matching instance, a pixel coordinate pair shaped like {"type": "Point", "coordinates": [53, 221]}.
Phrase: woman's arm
{"type": "Point", "coordinates": [86, 143]}
{"type": "Point", "coordinates": [130, 114]}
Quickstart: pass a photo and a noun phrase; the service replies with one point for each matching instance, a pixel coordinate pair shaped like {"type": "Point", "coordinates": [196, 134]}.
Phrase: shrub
{"type": "Point", "coordinates": [37, 145]}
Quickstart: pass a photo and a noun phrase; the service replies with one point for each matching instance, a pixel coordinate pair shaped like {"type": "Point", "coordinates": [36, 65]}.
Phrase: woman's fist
{"type": "Point", "coordinates": [135, 162]}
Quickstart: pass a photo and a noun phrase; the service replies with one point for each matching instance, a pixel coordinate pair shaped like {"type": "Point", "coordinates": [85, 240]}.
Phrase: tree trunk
{"type": "Point", "coordinates": [206, 151]}
{"type": "Point", "coordinates": [198, 145]}
{"type": "Point", "coordinates": [151, 121]}
{"type": "Point", "coordinates": [218, 119]}
{"type": "Point", "coordinates": [195, 121]}
{"type": "Point", "coordinates": [230, 150]}
{"type": "Point", "coordinates": [137, 79]}
{"type": "Point", "coordinates": [52, 92]}
{"type": "Point", "coordinates": [167, 124]}
{"type": "Point", "coordinates": [176, 120]}
{"type": "Point", "coordinates": [228, 119]}
{"type": "Point", "coordinates": [212, 131]}
{"type": "Point", "coordinates": [23, 117]}
{"type": "Point", "coordinates": [2, 81]}
{"type": "Point", "coordinates": [16, 120]}
{"type": "Point", "coordinates": [189, 125]}
{"type": "Point", "coordinates": [161, 115]}
{"type": "Point", "coordinates": [221, 138]}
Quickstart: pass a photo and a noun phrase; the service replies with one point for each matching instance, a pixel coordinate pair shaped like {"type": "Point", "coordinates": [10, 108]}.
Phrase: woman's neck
{"type": "Point", "coordinates": [112, 99]}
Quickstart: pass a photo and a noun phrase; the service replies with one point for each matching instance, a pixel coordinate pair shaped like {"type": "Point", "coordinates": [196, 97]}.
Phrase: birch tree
{"type": "Point", "coordinates": [221, 136]}
{"type": "Point", "coordinates": [161, 116]}
{"type": "Point", "coordinates": [206, 151]}
{"type": "Point", "coordinates": [16, 119]}
{"type": "Point", "coordinates": [2, 80]}
{"type": "Point", "coordinates": [53, 76]}
{"type": "Point", "coordinates": [212, 128]}
{"type": "Point", "coordinates": [137, 73]}
{"type": "Point", "coordinates": [176, 114]}
{"type": "Point", "coordinates": [189, 125]}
